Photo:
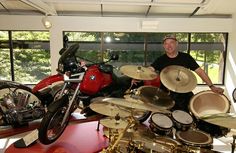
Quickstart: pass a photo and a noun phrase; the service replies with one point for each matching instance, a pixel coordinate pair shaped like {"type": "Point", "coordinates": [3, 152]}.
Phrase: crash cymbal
{"type": "Point", "coordinates": [227, 120]}
{"type": "Point", "coordinates": [178, 79]}
{"type": "Point", "coordinates": [138, 72]}
{"type": "Point", "coordinates": [108, 109]}
{"type": "Point", "coordinates": [156, 96]}
{"type": "Point", "coordinates": [135, 105]}
{"type": "Point", "coordinates": [111, 122]}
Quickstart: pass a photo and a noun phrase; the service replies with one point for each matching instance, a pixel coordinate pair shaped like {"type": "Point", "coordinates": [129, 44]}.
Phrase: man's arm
{"type": "Point", "coordinates": [201, 73]}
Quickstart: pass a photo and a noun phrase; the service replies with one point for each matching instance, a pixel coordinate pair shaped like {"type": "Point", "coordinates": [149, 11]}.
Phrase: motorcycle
{"type": "Point", "coordinates": [20, 104]}
{"type": "Point", "coordinates": [81, 84]}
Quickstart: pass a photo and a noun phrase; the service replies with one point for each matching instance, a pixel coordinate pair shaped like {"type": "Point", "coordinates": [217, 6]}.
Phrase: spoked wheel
{"type": "Point", "coordinates": [51, 126]}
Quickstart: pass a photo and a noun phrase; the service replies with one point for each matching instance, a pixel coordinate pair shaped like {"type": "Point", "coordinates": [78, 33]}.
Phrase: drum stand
{"type": "Point", "coordinates": [233, 144]}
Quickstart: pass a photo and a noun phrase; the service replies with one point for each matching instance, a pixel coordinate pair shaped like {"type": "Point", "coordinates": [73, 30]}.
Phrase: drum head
{"type": "Point", "coordinates": [195, 138]}
{"type": "Point", "coordinates": [161, 120]}
{"type": "Point", "coordinates": [182, 117]}
{"type": "Point", "coordinates": [208, 102]}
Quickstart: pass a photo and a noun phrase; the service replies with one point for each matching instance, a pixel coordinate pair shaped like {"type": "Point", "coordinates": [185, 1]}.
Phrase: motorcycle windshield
{"type": "Point", "coordinates": [68, 61]}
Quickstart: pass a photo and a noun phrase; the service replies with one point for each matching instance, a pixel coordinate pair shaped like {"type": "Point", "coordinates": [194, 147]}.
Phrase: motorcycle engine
{"type": "Point", "coordinates": [16, 108]}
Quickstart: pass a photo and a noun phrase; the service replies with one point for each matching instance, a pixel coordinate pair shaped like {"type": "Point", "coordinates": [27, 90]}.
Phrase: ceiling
{"type": "Point", "coordinates": [121, 8]}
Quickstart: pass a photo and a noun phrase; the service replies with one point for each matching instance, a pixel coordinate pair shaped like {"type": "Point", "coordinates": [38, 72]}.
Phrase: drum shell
{"type": "Point", "coordinates": [156, 126]}
{"type": "Point", "coordinates": [208, 102]}
{"type": "Point", "coordinates": [183, 124]}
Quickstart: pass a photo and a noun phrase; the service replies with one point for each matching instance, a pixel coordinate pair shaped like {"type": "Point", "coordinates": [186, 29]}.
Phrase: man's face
{"type": "Point", "coordinates": [170, 45]}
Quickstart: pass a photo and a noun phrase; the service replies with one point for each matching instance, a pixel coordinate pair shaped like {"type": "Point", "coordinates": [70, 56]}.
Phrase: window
{"type": "Point", "coordinates": [208, 49]}
{"type": "Point", "coordinates": [25, 55]}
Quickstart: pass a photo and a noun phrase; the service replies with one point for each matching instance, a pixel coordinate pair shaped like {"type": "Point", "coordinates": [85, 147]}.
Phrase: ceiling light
{"type": "Point", "coordinates": [46, 22]}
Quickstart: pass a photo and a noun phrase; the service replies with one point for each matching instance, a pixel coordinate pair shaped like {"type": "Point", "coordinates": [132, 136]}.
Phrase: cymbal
{"type": "Point", "coordinates": [178, 79]}
{"type": "Point", "coordinates": [111, 122]}
{"type": "Point", "coordinates": [138, 72]}
{"type": "Point", "coordinates": [108, 109]}
{"type": "Point", "coordinates": [227, 120]}
{"type": "Point", "coordinates": [156, 96]}
{"type": "Point", "coordinates": [135, 105]}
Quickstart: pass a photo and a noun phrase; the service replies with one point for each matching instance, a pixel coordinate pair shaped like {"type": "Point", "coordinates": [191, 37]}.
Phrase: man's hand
{"type": "Point", "coordinates": [216, 89]}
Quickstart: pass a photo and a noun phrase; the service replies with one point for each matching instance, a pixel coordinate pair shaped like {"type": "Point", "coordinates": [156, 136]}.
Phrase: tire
{"type": "Point", "coordinates": [51, 121]}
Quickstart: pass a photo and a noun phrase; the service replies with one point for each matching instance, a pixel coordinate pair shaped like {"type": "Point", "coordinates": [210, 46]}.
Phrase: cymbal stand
{"type": "Point", "coordinates": [233, 144]}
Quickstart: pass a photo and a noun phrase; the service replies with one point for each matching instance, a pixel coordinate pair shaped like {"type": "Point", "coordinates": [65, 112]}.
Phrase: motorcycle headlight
{"type": "Point", "coordinates": [61, 67]}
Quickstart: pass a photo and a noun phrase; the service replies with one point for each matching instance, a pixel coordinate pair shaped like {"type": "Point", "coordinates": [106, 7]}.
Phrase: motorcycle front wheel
{"type": "Point", "coordinates": [51, 127]}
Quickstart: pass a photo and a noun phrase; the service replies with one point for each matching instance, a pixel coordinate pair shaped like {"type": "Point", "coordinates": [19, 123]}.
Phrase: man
{"type": "Point", "coordinates": [173, 57]}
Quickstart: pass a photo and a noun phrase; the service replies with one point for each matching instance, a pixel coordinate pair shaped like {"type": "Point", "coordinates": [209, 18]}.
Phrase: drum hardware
{"type": "Point", "coordinates": [178, 79]}
{"type": "Point", "coordinates": [138, 72]}
{"type": "Point", "coordinates": [234, 95]}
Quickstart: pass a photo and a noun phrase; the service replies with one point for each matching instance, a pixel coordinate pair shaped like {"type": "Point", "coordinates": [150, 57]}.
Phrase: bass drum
{"type": "Point", "coordinates": [205, 103]}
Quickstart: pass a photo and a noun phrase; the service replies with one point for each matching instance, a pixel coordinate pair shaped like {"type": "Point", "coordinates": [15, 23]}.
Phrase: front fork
{"type": "Point", "coordinates": [71, 101]}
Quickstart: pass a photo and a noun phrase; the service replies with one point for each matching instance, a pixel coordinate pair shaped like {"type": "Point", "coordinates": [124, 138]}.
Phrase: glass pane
{"type": "Point", "coordinates": [90, 44]}
{"type": "Point", "coordinates": [129, 47]}
{"type": "Point", "coordinates": [31, 56]}
{"type": "Point", "coordinates": [208, 50]}
{"type": "Point", "coordinates": [5, 64]}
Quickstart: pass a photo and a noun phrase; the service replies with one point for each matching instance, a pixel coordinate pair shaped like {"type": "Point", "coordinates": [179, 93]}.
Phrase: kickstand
{"type": "Point", "coordinates": [98, 125]}
{"type": "Point", "coordinates": [233, 144]}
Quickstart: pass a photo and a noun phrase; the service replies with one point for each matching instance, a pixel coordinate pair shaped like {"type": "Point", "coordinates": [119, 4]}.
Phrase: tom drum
{"type": "Point", "coordinates": [160, 124]}
{"type": "Point", "coordinates": [206, 103]}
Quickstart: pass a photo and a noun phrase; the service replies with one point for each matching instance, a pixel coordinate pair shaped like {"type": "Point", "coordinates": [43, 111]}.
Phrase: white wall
{"type": "Point", "coordinates": [117, 24]}
{"type": "Point", "coordinates": [230, 70]}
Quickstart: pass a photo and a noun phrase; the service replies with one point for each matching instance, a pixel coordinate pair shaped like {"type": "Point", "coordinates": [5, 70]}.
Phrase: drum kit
{"type": "Point", "coordinates": [166, 131]}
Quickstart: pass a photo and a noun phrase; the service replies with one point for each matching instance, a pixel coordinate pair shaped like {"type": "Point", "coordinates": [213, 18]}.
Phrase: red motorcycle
{"type": "Point", "coordinates": [81, 84]}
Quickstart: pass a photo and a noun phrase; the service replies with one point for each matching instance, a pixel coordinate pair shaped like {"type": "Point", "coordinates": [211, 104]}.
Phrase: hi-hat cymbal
{"type": "Point", "coordinates": [156, 96]}
{"type": "Point", "coordinates": [111, 122]}
{"type": "Point", "coordinates": [227, 120]}
{"type": "Point", "coordinates": [138, 72]}
{"type": "Point", "coordinates": [178, 79]}
{"type": "Point", "coordinates": [108, 109]}
{"type": "Point", "coordinates": [135, 105]}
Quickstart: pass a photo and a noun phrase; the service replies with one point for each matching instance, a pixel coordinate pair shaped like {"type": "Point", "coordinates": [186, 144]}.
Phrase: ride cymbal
{"type": "Point", "coordinates": [135, 105]}
{"type": "Point", "coordinates": [227, 120]}
{"type": "Point", "coordinates": [178, 79]}
{"type": "Point", "coordinates": [108, 109]}
{"type": "Point", "coordinates": [138, 72]}
{"type": "Point", "coordinates": [156, 96]}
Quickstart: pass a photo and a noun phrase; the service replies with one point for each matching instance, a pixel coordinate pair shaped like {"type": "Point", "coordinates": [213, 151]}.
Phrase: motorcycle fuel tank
{"type": "Point", "coordinates": [94, 80]}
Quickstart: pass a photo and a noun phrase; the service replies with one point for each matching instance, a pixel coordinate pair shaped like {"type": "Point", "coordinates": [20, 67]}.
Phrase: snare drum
{"type": "Point", "coordinates": [205, 103]}
{"type": "Point", "coordinates": [160, 124]}
{"type": "Point", "coordinates": [182, 120]}
{"type": "Point", "coordinates": [194, 140]}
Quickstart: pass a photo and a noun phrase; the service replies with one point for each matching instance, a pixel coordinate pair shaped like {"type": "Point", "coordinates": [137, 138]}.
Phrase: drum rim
{"type": "Point", "coordinates": [206, 91]}
{"type": "Point", "coordinates": [181, 122]}
{"type": "Point", "coordinates": [189, 143]}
